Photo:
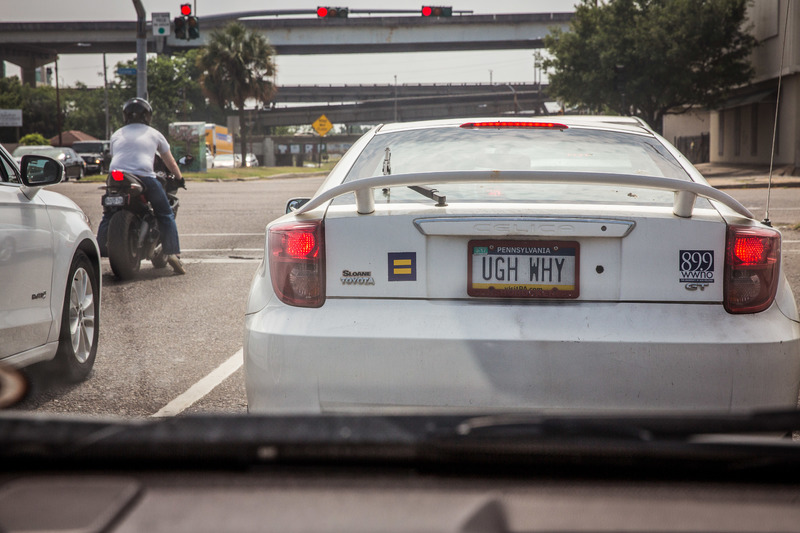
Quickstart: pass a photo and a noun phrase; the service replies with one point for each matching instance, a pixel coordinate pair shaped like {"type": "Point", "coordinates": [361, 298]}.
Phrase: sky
{"type": "Point", "coordinates": [409, 68]}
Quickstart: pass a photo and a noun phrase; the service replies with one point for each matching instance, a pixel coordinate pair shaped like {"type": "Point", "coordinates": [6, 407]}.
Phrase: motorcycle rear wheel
{"type": "Point", "coordinates": [123, 238]}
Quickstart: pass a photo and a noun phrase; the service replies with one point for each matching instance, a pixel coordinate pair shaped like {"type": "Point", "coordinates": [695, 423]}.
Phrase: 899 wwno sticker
{"type": "Point", "coordinates": [696, 266]}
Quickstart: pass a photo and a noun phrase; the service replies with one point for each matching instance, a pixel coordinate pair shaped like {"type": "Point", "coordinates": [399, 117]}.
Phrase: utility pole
{"type": "Point", "coordinates": [141, 49]}
{"type": "Point", "coordinates": [105, 90]}
{"type": "Point", "coordinates": [58, 106]}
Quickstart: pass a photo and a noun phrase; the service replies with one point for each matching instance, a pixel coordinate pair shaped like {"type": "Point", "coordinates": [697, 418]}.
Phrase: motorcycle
{"type": "Point", "coordinates": [133, 233]}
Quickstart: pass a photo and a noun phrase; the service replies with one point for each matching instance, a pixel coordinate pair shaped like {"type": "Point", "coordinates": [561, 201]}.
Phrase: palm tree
{"type": "Point", "coordinates": [237, 66]}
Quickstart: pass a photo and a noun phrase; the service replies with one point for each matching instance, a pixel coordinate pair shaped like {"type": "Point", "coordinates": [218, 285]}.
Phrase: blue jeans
{"type": "Point", "coordinates": [157, 196]}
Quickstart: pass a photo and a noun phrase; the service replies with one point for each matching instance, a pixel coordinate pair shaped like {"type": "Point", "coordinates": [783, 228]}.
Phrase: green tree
{"type": "Point", "coordinates": [173, 89]}
{"type": "Point", "coordinates": [237, 66]}
{"type": "Point", "coordinates": [86, 109]}
{"type": "Point", "coordinates": [38, 108]}
{"type": "Point", "coordinates": [650, 56]}
{"type": "Point", "coordinates": [34, 139]}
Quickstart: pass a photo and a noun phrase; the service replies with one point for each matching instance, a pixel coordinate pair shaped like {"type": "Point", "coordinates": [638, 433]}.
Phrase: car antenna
{"type": "Point", "coordinates": [766, 220]}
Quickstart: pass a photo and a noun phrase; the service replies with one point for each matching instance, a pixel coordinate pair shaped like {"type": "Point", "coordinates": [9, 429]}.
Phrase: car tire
{"type": "Point", "coordinates": [80, 318]}
{"type": "Point", "coordinates": [81, 173]}
{"type": "Point", "coordinates": [123, 252]}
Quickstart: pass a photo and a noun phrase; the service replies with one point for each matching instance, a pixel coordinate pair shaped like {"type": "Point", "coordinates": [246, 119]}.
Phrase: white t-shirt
{"type": "Point", "coordinates": [133, 148]}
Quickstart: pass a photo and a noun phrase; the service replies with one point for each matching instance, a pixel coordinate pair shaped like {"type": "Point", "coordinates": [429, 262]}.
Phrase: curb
{"type": "Point", "coordinates": [753, 185]}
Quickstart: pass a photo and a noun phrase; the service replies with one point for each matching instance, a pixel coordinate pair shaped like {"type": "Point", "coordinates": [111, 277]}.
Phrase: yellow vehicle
{"type": "Point", "coordinates": [218, 139]}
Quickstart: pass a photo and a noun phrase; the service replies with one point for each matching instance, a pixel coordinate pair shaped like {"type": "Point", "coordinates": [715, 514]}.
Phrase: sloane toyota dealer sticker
{"type": "Point", "coordinates": [696, 268]}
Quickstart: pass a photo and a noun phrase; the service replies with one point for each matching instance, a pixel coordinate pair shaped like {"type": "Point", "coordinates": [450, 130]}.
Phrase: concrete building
{"type": "Point", "coordinates": [741, 130]}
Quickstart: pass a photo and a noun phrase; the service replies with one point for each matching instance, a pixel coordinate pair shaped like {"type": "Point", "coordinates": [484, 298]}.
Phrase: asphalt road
{"type": "Point", "coordinates": [161, 334]}
{"type": "Point", "coordinates": [169, 344]}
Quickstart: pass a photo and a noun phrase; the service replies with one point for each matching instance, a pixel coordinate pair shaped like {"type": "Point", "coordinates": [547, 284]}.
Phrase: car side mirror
{"type": "Point", "coordinates": [39, 170]}
{"type": "Point", "coordinates": [296, 203]}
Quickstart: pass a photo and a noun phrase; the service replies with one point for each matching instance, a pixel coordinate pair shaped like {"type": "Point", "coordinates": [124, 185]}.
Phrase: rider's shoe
{"type": "Point", "coordinates": [176, 264]}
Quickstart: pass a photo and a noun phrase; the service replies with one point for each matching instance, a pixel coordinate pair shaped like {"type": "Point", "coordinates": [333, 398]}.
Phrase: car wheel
{"type": "Point", "coordinates": [81, 173]}
{"type": "Point", "coordinates": [77, 342]}
{"type": "Point", "coordinates": [122, 245]}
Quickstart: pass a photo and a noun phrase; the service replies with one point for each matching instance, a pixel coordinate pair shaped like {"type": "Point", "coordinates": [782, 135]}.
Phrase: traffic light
{"type": "Point", "coordinates": [437, 11]}
{"type": "Point", "coordinates": [186, 9]}
{"type": "Point", "coordinates": [180, 27]}
{"type": "Point", "coordinates": [327, 12]}
{"type": "Point", "coordinates": [193, 25]}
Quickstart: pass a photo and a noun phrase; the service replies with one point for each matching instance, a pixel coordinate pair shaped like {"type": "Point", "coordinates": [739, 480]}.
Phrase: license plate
{"type": "Point", "coordinates": [113, 201]}
{"type": "Point", "coordinates": [523, 269]}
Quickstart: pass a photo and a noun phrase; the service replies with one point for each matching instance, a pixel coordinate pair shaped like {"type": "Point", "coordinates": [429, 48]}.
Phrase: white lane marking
{"type": "Point", "coordinates": [222, 234]}
{"type": "Point", "coordinates": [193, 250]}
{"type": "Point", "coordinates": [757, 207]}
{"type": "Point", "coordinates": [220, 260]}
{"type": "Point", "coordinates": [197, 391]}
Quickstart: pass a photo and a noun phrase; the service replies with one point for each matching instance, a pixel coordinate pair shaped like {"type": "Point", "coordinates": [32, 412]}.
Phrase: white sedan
{"type": "Point", "coordinates": [49, 271]}
{"type": "Point", "coordinates": [565, 264]}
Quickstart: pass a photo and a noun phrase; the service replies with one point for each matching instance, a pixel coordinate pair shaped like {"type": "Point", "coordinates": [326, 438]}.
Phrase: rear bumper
{"type": "Point", "coordinates": [356, 355]}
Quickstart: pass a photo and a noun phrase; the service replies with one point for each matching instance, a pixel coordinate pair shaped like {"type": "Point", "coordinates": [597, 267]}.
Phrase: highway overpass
{"type": "Point", "coordinates": [33, 44]}
{"type": "Point", "coordinates": [412, 103]}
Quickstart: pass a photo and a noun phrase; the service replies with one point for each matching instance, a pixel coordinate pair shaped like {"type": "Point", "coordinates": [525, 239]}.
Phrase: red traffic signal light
{"type": "Point", "coordinates": [186, 9]}
{"type": "Point", "coordinates": [437, 11]}
{"type": "Point", "coordinates": [332, 12]}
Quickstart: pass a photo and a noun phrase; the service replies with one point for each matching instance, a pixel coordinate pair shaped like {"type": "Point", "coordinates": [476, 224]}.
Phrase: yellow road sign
{"type": "Point", "coordinates": [322, 125]}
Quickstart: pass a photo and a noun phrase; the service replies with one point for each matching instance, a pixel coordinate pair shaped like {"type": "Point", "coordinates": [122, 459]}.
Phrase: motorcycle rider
{"type": "Point", "coordinates": [133, 150]}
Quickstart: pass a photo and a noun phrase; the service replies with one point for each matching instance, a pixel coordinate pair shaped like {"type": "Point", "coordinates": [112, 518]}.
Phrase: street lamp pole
{"type": "Point", "coordinates": [105, 91]}
{"type": "Point", "coordinates": [58, 105]}
{"type": "Point", "coordinates": [141, 49]}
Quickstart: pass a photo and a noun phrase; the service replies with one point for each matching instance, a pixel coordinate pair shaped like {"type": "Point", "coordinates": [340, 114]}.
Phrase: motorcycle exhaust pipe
{"type": "Point", "coordinates": [144, 229]}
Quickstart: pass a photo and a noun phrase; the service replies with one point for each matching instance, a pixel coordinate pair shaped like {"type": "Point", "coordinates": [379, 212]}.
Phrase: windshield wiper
{"type": "Point", "coordinates": [427, 192]}
{"type": "Point", "coordinates": [643, 428]}
{"type": "Point", "coordinates": [504, 443]}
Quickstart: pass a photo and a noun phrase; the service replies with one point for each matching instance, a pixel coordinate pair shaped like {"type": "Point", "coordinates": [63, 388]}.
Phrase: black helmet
{"type": "Point", "coordinates": [137, 110]}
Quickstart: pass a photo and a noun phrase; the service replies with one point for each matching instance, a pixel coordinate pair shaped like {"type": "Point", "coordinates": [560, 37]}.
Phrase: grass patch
{"type": "Point", "coordinates": [253, 172]}
{"type": "Point", "coordinates": [232, 174]}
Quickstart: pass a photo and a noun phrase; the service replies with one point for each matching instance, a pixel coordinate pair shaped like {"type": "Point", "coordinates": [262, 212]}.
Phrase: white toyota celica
{"type": "Point", "coordinates": [567, 263]}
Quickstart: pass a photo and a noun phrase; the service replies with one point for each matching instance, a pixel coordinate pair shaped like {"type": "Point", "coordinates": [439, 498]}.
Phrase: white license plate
{"type": "Point", "coordinates": [114, 201]}
{"type": "Point", "coordinates": [523, 269]}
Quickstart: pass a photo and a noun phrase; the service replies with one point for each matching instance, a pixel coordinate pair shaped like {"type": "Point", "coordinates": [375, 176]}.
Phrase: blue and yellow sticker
{"type": "Point", "coordinates": [402, 266]}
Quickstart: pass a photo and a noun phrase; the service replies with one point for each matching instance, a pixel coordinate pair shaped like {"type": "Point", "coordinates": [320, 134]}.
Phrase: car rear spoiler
{"type": "Point", "coordinates": [685, 191]}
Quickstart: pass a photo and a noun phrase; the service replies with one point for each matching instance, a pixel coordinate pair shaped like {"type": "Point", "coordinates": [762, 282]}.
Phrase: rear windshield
{"type": "Point", "coordinates": [573, 149]}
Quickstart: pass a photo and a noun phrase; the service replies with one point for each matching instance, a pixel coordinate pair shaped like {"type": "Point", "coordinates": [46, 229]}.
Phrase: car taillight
{"type": "Point", "coordinates": [297, 263]}
{"type": "Point", "coordinates": [752, 264]}
{"type": "Point", "coordinates": [515, 125]}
